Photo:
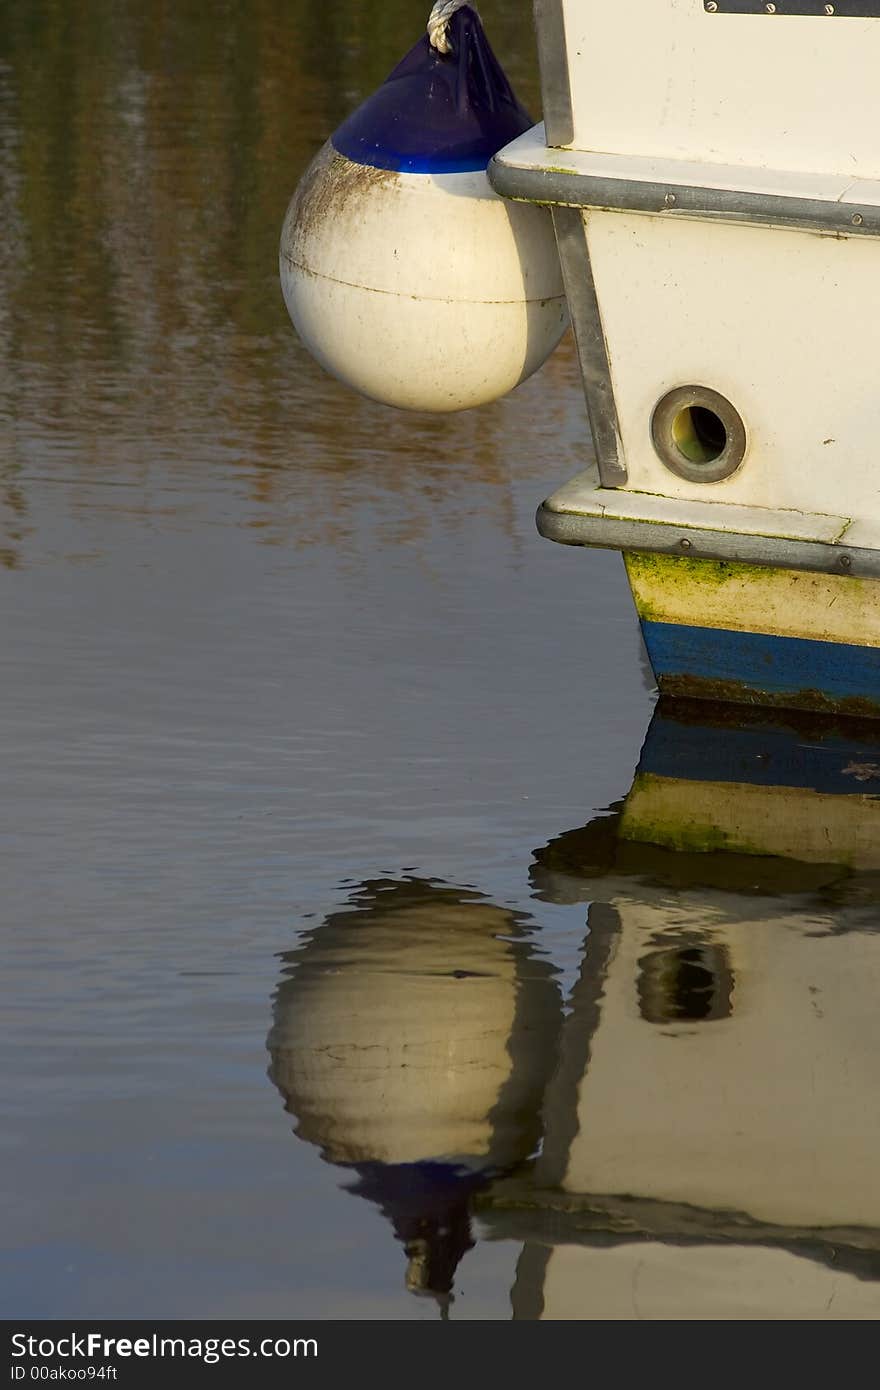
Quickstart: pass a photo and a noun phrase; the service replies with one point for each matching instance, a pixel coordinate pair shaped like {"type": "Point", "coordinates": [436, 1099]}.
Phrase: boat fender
{"type": "Point", "coordinates": [404, 273]}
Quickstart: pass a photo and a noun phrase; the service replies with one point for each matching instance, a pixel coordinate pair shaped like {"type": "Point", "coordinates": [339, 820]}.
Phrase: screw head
{"type": "Point", "coordinates": [711, 6]}
{"type": "Point", "coordinates": [857, 219]}
{"type": "Point", "coordinates": [845, 562]}
{"type": "Point", "coordinates": [684, 543]}
{"type": "Point", "coordinates": [829, 9]}
{"type": "Point", "coordinates": [771, 9]}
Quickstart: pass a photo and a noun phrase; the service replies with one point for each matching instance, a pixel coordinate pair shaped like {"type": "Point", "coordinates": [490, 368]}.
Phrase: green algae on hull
{"type": "Point", "coordinates": [655, 577]}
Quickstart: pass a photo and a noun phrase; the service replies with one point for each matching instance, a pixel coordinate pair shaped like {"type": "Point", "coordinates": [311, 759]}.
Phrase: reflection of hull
{"type": "Point", "coordinates": [710, 1144]}
{"type": "Point", "coordinates": [804, 791]}
{"type": "Point", "coordinates": [732, 1062]}
{"type": "Point", "coordinates": [711, 1138]}
{"type": "Point", "coordinates": [741, 799]}
{"type": "Point", "coordinates": [671, 1280]}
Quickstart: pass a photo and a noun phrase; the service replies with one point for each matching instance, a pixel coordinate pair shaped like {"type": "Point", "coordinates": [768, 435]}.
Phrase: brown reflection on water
{"type": "Point", "coordinates": [147, 153]}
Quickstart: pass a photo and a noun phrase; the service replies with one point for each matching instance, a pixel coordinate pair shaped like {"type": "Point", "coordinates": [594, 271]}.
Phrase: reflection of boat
{"type": "Point", "coordinates": [711, 1137]}
{"type": "Point", "coordinates": [738, 483]}
{"type": "Point", "coordinates": [697, 1135]}
{"type": "Point", "coordinates": [412, 1039]}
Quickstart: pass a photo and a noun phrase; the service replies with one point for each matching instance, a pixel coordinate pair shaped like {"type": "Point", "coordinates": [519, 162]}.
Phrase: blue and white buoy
{"type": "Point", "coordinates": [403, 271]}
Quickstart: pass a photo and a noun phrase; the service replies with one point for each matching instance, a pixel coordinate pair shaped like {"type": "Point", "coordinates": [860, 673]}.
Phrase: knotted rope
{"type": "Point", "coordinates": [438, 23]}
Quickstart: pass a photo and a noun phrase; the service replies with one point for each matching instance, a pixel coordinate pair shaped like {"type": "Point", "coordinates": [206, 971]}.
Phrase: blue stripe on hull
{"type": "Point", "coordinates": [756, 668]}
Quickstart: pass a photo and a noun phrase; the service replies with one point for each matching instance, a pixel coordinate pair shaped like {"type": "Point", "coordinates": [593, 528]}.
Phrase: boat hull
{"type": "Point", "coordinates": [754, 634]}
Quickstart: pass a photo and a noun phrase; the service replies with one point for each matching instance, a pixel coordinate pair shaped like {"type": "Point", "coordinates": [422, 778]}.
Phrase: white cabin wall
{"type": "Point", "coordinates": [785, 324]}
{"type": "Point", "coordinates": [664, 78]}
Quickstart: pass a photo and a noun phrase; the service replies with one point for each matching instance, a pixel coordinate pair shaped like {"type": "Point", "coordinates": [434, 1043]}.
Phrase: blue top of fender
{"type": "Point", "coordinates": [437, 113]}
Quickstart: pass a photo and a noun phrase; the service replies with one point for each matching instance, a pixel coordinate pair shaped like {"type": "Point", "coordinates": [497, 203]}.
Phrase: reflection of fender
{"type": "Point", "coordinates": [412, 1039]}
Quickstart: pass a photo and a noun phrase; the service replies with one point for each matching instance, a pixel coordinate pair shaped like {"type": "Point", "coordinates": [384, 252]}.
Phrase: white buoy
{"type": "Point", "coordinates": [404, 273]}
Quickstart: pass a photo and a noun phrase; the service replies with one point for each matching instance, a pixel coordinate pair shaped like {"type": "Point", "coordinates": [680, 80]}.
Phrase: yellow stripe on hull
{"type": "Point", "coordinates": [755, 598]}
{"type": "Point", "coordinates": [745, 818]}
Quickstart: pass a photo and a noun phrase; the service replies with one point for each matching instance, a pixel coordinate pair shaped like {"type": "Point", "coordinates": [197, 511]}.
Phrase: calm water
{"type": "Point", "coordinates": [302, 727]}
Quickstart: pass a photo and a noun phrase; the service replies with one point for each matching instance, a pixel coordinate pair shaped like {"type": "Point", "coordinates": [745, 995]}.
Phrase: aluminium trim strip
{"type": "Point", "coordinates": [592, 350]}
{"type": "Point", "coordinates": [555, 72]}
{"type": "Point", "coordinates": [663, 538]}
{"type": "Point", "coordinates": [841, 9]}
{"type": "Point", "coordinates": [568, 189]}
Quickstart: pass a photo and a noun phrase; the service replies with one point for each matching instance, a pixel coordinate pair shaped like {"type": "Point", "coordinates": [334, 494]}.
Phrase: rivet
{"type": "Point", "coordinates": [669, 199]}
{"type": "Point", "coordinates": [686, 545]}
{"type": "Point", "coordinates": [857, 219]}
{"type": "Point", "coordinates": [845, 562]}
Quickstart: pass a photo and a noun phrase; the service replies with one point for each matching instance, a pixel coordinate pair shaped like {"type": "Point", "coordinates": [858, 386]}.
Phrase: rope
{"type": "Point", "coordinates": [438, 23]}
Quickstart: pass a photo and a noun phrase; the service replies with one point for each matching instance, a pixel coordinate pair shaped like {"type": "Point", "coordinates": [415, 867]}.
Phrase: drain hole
{"type": "Point", "coordinates": [699, 434]}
